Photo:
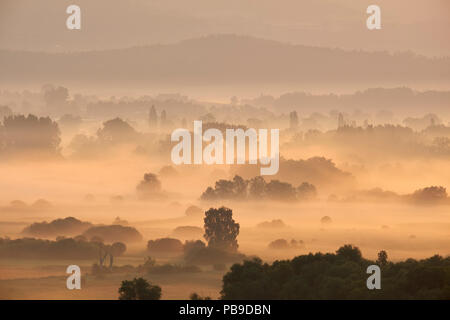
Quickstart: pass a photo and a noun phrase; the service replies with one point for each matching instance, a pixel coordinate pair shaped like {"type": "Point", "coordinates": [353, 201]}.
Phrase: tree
{"type": "Point", "coordinates": [382, 258]}
{"type": "Point", "coordinates": [163, 118]}
{"type": "Point", "coordinates": [341, 121]}
{"type": "Point", "coordinates": [117, 249]}
{"type": "Point", "coordinates": [55, 95]}
{"type": "Point", "coordinates": [149, 186]}
{"type": "Point", "coordinates": [349, 252]}
{"type": "Point", "coordinates": [293, 120]}
{"type": "Point", "coordinates": [221, 230]}
{"type": "Point", "coordinates": [5, 111]}
{"type": "Point", "coordinates": [139, 289]}
{"type": "Point", "coordinates": [433, 194]}
{"type": "Point", "coordinates": [152, 118]}
{"type": "Point", "coordinates": [116, 131]}
{"type": "Point", "coordinates": [306, 191]}
{"type": "Point", "coordinates": [257, 187]}
{"type": "Point", "coordinates": [20, 133]}
{"type": "Point", "coordinates": [277, 190]}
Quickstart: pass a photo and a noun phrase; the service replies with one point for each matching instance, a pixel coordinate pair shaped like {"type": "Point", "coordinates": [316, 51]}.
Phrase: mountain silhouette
{"type": "Point", "coordinates": [223, 59]}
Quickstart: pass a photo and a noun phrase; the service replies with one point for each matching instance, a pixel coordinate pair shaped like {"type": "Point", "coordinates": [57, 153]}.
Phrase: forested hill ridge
{"type": "Point", "coordinates": [224, 59]}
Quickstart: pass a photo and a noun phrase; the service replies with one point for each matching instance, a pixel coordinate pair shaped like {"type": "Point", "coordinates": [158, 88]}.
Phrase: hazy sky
{"type": "Point", "coordinates": [417, 25]}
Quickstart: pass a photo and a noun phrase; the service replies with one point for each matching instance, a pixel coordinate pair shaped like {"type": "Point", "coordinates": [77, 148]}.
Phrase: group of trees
{"type": "Point", "coordinates": [257, 189]}
{"type": "Point", "coordinates": [71, 226]}
{"type": "Point", "coordinates": [106, 254]}
{"type": "Point", "coordinates": [318, 171]}
{"type": "Point", "coordinates": [220, 233]}
{"type": "Point", "coordinates": [402, 99]}
{"type": "Point", "coordinates": [29, 134]}
{"type": "Point", "coordinates": [341, 275]}
{"type": "Point", "coordinates": [430, 195]}
{"type": "Point", "coordinates": [282, 244]}
{"type": "Point", "coordinates": [337, 276]}
{"type": "Point", "coordinates": [394, 140]}
{"type": "Point", "coordinates": [68, 226]}
{"type": "Point", "coordinates": [164, 245]}
{"type": "Point", "coordinates": [433, 195]}
{"type": "Point", "coordinates": [112, 233]}
{"type": "Point", "coordinates": [153, 120]}
{"type": "Point", "coordinates": [62, 248]}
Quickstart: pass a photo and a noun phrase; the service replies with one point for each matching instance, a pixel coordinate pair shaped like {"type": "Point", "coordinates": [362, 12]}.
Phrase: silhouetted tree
{"type": "Point", "coordinates": [55, 95]}
{"type": "Point", "coordinates": [116, 131]}
{"type": "Point", "coordinates": [350, 252]}
{"type": "Point", "coordinates": [5, 111]}
{"type": "Point", "coordinates": [306, 191]}
{"type": "Point", "coordinates": [221, 230]}
{"type": "Point", "coordinates": [163, 119]}
{"type": "Point", "coordinates": [293, 120]}
{"type": "Point", "coordinates": [139, 289]}
{"type": "Point", "coordinates": [277, 190]}
{"type": "Point", "coordinates": [117, 249]}
{"type": "Point", "coordinates": [152, 118]}
{"type": "Point", "coordinates": [382, 258]}
{"type": "Point", "coordinates": [149, 186]}
{"type": "Point", "coordinates": [434, 194]}
{"type": "Point", "coordinates": [257, 188]}
{"type": "Point", "coordinates": [341, 121]}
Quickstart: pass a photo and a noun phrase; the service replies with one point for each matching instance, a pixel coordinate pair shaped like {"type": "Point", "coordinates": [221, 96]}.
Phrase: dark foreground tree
{"type": "Point", "coordinates": [336, 276]}
{"type": "Point", "coordinates": [221, 230]}
{"type": "Point", "coordinates": [382, 258]}
{"type": "Point", "coordinates": [139, 289]}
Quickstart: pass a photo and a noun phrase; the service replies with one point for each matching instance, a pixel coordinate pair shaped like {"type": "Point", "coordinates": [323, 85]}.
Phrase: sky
{"type": "Point", "coordinates": [417, 25]}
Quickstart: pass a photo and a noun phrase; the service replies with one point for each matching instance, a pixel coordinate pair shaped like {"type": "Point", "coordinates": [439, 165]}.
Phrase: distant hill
{"type": "Point", "coordinates": [222, 60]}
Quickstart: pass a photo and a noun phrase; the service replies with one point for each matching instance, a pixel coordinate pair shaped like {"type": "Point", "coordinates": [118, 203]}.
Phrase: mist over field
{"type": "Point", "coordinates": [86, 172]}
